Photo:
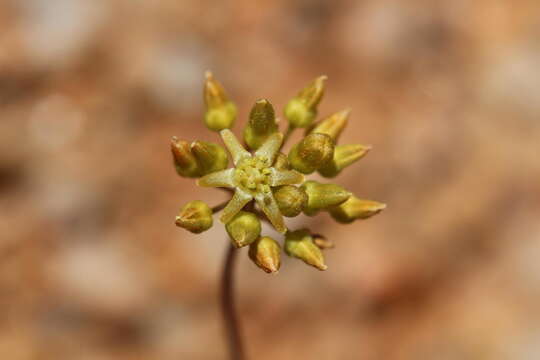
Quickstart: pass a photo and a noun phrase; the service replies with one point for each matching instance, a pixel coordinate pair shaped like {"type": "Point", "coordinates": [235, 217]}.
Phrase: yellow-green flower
{"type": "Point", "coordinates": [252, 178]}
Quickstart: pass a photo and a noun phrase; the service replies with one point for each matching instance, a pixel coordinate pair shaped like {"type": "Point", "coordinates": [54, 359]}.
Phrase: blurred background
{"type": "Point", "coordinates": [447, 92]}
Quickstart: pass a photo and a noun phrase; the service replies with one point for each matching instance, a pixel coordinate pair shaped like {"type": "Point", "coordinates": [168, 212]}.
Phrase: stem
{"type": "Point", "coordinates": [288, 133]}
{"type": "Point", "coordinates": [227, 190]}
{"type": "Point", "coordinates": [219, 207]}
{"type": "Point", "coordinates": [232, 328]}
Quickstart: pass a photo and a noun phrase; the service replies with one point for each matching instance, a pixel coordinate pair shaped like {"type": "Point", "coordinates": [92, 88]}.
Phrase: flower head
{"type": "Point", "coordinates": [267, 184]}
{"type": "Point", "coordinates": [253, 178]}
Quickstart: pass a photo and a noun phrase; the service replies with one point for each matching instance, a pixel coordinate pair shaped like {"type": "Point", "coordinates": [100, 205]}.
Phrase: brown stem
{"type": "Point", "coordinates": [230, 317]}
{"type": "Point", "coordinates": [288, 133]}
{"type": "Point", "coordinates": [219, 207]}
{"type": "Point", "coordinates": [227, 190]}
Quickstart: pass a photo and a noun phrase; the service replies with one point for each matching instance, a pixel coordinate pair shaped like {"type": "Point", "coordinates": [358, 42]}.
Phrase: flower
{"type": "Point", "coordinates": [253, 178]}
{"type": "Point", "coordinates": [268, 184]}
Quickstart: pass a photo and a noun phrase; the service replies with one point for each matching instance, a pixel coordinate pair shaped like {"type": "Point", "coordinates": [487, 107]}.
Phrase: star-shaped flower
{"type": "Point", "coordinates": [253, 178]}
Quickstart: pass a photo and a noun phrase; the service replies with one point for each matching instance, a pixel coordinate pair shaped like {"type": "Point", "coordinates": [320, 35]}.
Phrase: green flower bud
{"type": "Point", "coordinates": [344, 155]}
{"type": "Point", "coordinates": [265, 252]}
{"type": "Point", "coordinates": [244, 228]}
{"type": "Point", "coordinates": [302, 109]}
{"type": "Point", "coordinates": [220, 112]}
{"type": "Point", "coordinates": [184, 161]}
{"type": "Point", "coordinates": [299, 244]}
{"type": "Point", "coordinates": [332, 125]}
{"type": "Point", "coordinates": [314, 151]}
{"type": "Point", "coordinates": [221, 118]}
{"type": "Point", "coordinates": [195, 216]}
{"type": "Point", "coordinates": [262, 123]}
{"type": "Point", "coordinates": [281, 162]}
{"type": "Point", "coordinates": [210, 157]}
{"type": "Point", "coordinates": [291, 200]}
{"type": "Point", "coordinates": [355, 208]}
{"type": "Point", "coordinates": [323, 196]}
{"type": "Point", "coordinates": [298, 114]}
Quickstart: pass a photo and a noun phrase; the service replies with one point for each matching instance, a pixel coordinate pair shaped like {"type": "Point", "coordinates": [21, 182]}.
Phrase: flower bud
{"type": "Point", "coordinates": [291, 200]}
{"type": "Point", "coordinates": [355, 208]}
{"type": "Point", "coordinates": [221, 118]}
{"type": "Point", "coordinates": [262, 123]}
{"type": "Point", "coordinates": [332, 125]}
{"type": "Point", "coordinates": [210, 157]}
{"type": "Point", "coordinates": [244, 228]}
{"type": "Point", "coordinates": [323, 196]}
{"type": "Point", "coordinates": [220, 112]}
{"type": "Point", "coordinates": [281, 162]}
{"type": "Point", "coordinates": [299, 244]}
{"type": "Point", "coordinates": [302, 109]}
{"type": "Point", "coordinates": [195, 216]}
{"type": "Point", "coordinates": [344, 155]}
{"type": "Point", "coordinates": [314, 151]}
{"type": "Point", "coordinates": [265, 252]}
{"type": "Point", "coordinates": [184, 161]}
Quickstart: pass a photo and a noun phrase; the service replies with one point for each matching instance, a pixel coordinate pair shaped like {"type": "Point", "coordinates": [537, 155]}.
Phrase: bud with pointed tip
{"type": "Point", "coordinates": [301, 110]}
{"type": "Point", "coordinates": [344, 155]}
{"type": "Point", "coordinates": [299, 244]}
{"type": "Point", "coordinates": [184, 161]}
{"type": "Point", "coordinates": [314, 151]}
{"type": "Point", "coordinates": [323, 196]}
{"type": "Point", "coordinates": [195, 216]}
{"type": "Point", "coordinates": [291, 200]}
{"type": "Point", "coordinates": [210, 157]}
{"type": "Point", "coordinates": [214, 94]}
{"type": "Point", "coordinates": [265, 253]}
{"type": "Point", "coordinates": [355, 208]}
{"type": "Point", "coordinates": [220, 111]}
{"type": "Point", "coordinates": [244, 228]}
{"type": "Point", "coordinates": [332, 125]}
{"type": "Point", "coordinates": [262, 123]}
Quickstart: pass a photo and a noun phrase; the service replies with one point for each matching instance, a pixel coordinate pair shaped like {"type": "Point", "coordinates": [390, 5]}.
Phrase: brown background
{"type": "Point", "coordinates": [447, 92]}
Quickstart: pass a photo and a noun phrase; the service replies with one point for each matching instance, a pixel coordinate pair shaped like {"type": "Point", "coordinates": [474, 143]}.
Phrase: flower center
{"type": "Point", "coordinates": [253, 175]}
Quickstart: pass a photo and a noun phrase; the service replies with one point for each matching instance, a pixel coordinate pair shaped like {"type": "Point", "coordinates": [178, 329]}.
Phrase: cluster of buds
{"type": "Point", "coordinates": [267, 184]}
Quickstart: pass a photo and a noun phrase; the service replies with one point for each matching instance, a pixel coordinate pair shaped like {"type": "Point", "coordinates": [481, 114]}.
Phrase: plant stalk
{"type": "Point", "coordinates": [228, 308]}
{"type": "Point", "coordinates": [288, 133]}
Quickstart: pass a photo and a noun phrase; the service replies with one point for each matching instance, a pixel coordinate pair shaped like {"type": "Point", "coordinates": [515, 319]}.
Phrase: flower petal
{"type": "Point", "coordinates": [270, 147]}
{"type": "Point", "coordinates": [269, 206]}
{"type": "Point", "coordinates": [223, 178]}
{"type": "Point", "coordinates": [236, 149]}
{"type": "Point", "coordinates": [285, 177]}
{"type": "Point", "coordinates": [239, 199]}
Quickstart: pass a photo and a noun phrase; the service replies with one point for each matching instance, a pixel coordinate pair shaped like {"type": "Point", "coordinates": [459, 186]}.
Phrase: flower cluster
{"type": "Point", "coordinates": [267, 184]}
